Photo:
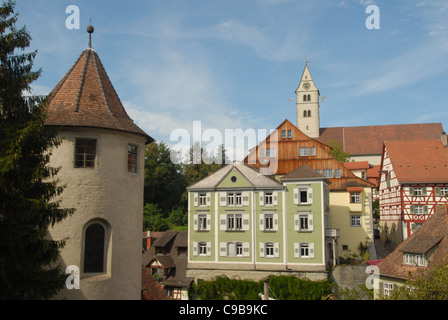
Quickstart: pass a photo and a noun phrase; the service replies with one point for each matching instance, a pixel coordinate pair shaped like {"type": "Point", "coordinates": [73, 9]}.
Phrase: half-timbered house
{"type": "Point", "coordinates": [413, 183]}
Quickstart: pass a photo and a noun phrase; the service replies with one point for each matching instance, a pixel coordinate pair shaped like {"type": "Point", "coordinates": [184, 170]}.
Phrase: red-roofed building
{"type": "Point", "coordinates": [413, 183]}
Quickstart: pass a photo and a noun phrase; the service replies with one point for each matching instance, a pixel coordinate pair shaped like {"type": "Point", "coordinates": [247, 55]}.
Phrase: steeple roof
{"type": "Point", "coordinates": [85, 97]}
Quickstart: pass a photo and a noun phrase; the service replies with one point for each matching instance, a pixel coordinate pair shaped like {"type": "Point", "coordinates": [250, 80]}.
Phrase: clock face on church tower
{"type": "Point", "coordinates": [306, 85]}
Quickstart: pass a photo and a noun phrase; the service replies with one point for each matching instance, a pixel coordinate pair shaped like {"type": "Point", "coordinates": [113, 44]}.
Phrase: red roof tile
{"type": "Point", "coordinates": [368, 140]}
{"type": "Point", "coordinates": [85, 97]}
{"type": "Point", "coordinates": [356, 165]}
{"type": "Point", "coordinates": [432, 234]}
{"type": "Point", "coordinates": [419, 161]}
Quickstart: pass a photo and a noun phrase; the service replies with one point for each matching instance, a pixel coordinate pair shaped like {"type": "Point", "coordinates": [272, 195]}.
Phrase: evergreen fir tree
{"type": "Point", "coordinates": [28, 267]}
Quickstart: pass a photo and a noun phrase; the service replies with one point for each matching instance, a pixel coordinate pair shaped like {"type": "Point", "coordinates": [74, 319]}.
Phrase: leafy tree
{"type": "Point", "coordinates": [153, 218]}
{"type": "Point", "coordinates": [337, 151]}
{"type": "Point", "coordinates": [164, 179]}
{"type": "Point", "coordinates": [28, 268]}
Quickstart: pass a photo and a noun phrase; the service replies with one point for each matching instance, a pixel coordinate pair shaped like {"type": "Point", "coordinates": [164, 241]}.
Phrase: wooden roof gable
{"type": "Point", "coordinates": [288, 157]}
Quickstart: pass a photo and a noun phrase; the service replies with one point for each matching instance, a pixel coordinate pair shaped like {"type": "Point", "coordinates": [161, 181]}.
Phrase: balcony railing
{"type": "Point", "coordinates": [332, 233]}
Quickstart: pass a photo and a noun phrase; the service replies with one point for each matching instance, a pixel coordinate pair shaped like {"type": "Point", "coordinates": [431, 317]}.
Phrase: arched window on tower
{"type": "Point", "coordinates": [309, 113]}
{"type": "Point", "coordinates": [304, 113]}
{"type": "Point", "coordinates": [309, 97]}
{"type": "Point", "coordinates": [304, 97]}
{"type": "Point", "coordinates": [94, 244]}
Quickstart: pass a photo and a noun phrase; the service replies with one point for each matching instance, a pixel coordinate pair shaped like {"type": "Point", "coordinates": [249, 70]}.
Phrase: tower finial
{"type": "Point", "coordinates": [90, 30]}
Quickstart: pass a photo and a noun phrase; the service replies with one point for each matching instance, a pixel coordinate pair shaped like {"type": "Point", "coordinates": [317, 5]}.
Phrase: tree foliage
{"type": "Point", "coordinates": [281, 288]}
{"type": "Point", "coordinates": [337, 151]}
{"type": "Point", "coordinates": [28, 256]}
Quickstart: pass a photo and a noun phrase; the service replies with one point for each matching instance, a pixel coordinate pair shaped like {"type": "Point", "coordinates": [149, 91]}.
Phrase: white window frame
{"type": "Point", "coordinates": [269, 222]}
{"type": "Point", "coordinates": [443, 191]}
{"type": "Point", "coordinates": [355, 197]}
{"type": "Point", "coordinates": [271, 152]}
{"type": "Point", "coordinates": [419, 209]}
{"type": "Point", "coordinates": [388, 287]}
{"type": "Point", "coordinates": [328, 173]}
{"type": "Point", "coordinates": [202, 249]}
{"type": "Point", "coordinates": [337, 173]}
{"type": "Point", "coordinates": [418, 191]}
{"type": "Point", "coordinates": [202, 199]}
{"type": "Point", "coordinates": [268, 198]}
{"type": "Point", "coordinates": [283, 134]}
{"type": "Point", "coordinates": [202, 222]}
{"type": "Point", "coordinates": [289, 133]}
{"type": "Point", "coordinates": [304, 152]}
{"type": "Point", "coordinates": [312, 151]}
{"type": "Point", "coordinates": [355, 220]}
{"type": "Point", "coordinates": [298, 195]}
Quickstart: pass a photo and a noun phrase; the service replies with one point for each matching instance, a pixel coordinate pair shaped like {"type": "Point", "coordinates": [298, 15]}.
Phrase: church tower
{"type": "Point", "coordinates": [308, 105]}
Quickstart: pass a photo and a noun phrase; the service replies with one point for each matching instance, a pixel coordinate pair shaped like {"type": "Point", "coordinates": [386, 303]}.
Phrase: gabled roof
{"type": "Point", "coordinates": [304, 172]}
{"type": "Point", "coordinates": [253, 176]}
{"type": "Point", "coordinates": [368, 140]}
{"type": "Point", "coordinates": [430, 236]}
{"type": "Point", "coordinates": [85, 97]}
{"type": "Point", "coordinates": [358, 165]}
{"type": "Point", "coordinates": [419, 161]}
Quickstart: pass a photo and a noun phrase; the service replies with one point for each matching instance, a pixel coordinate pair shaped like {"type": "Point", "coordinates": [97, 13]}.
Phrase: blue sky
{"type": "Point", "coordinates": [236, 64]}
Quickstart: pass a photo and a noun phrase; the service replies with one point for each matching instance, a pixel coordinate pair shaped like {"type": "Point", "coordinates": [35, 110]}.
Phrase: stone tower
{"type": "Point", "coordinates": [308, 105]}
{"type": "Point", "coordinates": [101, 162]}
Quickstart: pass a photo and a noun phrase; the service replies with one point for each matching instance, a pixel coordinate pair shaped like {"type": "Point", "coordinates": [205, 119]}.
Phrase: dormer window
{"type": "Point", "coordinates": [414, 259]}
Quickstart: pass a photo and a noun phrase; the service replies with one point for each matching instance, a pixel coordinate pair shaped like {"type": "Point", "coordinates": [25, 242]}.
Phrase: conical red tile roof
{"type": "Point", "coordinates": [85, 97]}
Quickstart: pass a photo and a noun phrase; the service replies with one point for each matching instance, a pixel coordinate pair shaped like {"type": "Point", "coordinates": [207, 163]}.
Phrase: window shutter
{"type": "Point", "coordinates": [276, 250]}
{"type": "Point", "coordinates": [425, 191]}
{"type": "Point", "coordinates": [222, 222]}
{"type": "Point", "coordinates": [195, 249]}
{"type": "Point", "coordinates": [261, 217]}
{"type": "Point", "coordinates": [311, 250]}
{"type": "Point", "coordinates": [209, 222]}
{"type": "Point", "coordinates": [296, 222]}
{"type": "Point", "coordinates": [245, 196]}
{"type": "Point", "coordinates": [223, 199]}
{"type": "Point", "coordinates": [246, 222]}
{"type": "Point", "coordinates": [310, 222]}
{"type": "Point", "coordinates": [296, 250]}
{"type": "Point", "coordinates": [261, 250]}
{"type": "Point", "coordinates": [425, 209]}
{"type": "Point", "coordinates": [208, 199]}
{"type": "Point", "coordinates": [195, 201]}
{"type": "Point", "coordinates": [411, 191]}
{"type": "Point", "coordinates": [275, 218]}
{"type": "Point", "coordinates": [296, 196]}
{"type": "Point", "coordinates": [209, 249]}
{"type": "Point", "coordinates": [195, 222]}
{"type": "Point", "coordinates": [222, 249]}
{"type": "Point", "coordinates": [275, 198]}
{"type": "Point", "coordinates": [437, 192]}
{"type": "Point", "coordinates": [261, 193]}
{"type": "Point", "coordinates": [310, 196]}
{"type": "Point", "coordinates": [412, 209]}
{"type": "Point", "coordinates": [246, 249]}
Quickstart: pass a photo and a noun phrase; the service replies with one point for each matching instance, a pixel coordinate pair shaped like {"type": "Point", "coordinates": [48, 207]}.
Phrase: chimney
{"type": "Point", "coordinates": [443, 138]}
{"type": "Point", "coordinates": [148, 240]}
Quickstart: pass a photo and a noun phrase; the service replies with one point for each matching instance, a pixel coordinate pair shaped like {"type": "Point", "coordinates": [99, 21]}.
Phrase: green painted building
{"type": "Point", "coordinates": [248, 225]}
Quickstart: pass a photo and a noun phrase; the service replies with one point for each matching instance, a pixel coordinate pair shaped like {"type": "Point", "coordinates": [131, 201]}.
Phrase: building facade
{"type": "Point", "coordinates": [245, 224]}
{"type": "Point", "coordinates": [424, 250]}
{"type": "Point", "coordinates": [101, 161]}
{"type": "Point", "coordinates": [413, 183]}
{"type": "Point", "coordinates": [288, 148]}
